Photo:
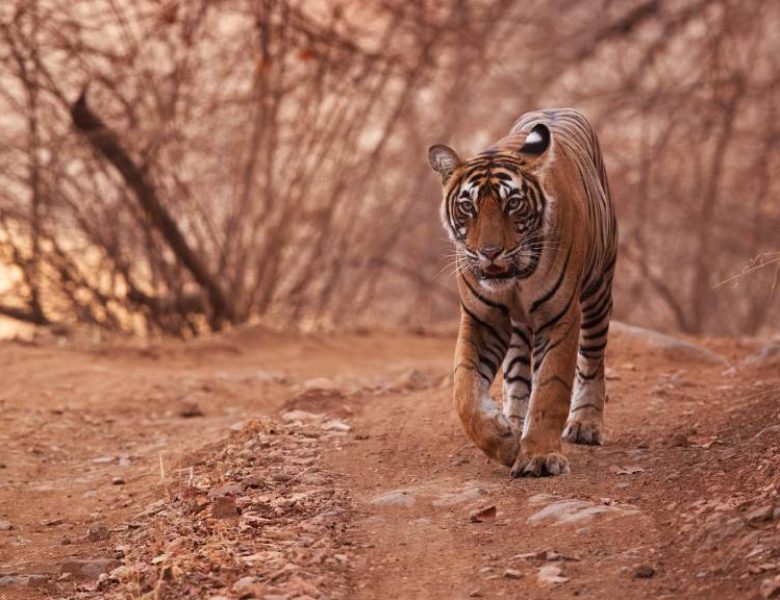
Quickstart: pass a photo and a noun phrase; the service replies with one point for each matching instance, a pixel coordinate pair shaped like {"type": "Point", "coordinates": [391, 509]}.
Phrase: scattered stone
{"type": "Point", "coordinates": [412, 380]}
{"type": "Point", "coordinates": [97, 533]}
{"type": "Point", "coordinates": [760, 514]}
{"type": "Point", "coordinates": [228, 489]}
{"type": "Point", "coordinates": [336, 425]}
{"type": "Point", "coordinates": [644, 572]}
{"type": "Point", "coordinates": [22, 580]}
{"type": "Point", "coordinates": [90, 568]}
{"type": "Point", "coordinates": [770, 588]}
{"type": "Point", "coordinates": [244, 586]}
{"type": "Point", "coordinates": [316, 390]}
{"type": "Point", "coordinates": [512, 574]}
{"type": "Point", "coordinates": [627, 470]}
{"type": "Point", "coordinates": [550, 575]}
{"type": "Point", "coordinates": [224, 507]}
{"type": "Point", "coordinates": [320, 384]}
{"type": "Point", "coordinates": [52, 522]}
{"type": "Point", "coordinates": [254, 481]}
{"type": "Point", "coordinates": [762, 568]}
{"type": "Point", "coordinates": [564, 512]}
{"type": "Point", "coordinates": [611, 374]}
{"type": "Point", "coordinates": [469, 492]}
{"type": "Point", "coordinates": [271, 377]}
{"type": "Point", "coordinates": [313, 479]}
{"type": "Point", "coordinates": [395, 498]}
{"type": "Point", "coordinates": [104, 460]}
{"type": "Point", "coordinates": [190, 409]}
{"type": "Point", "coordinates": [152, 509]}
{"type": "Point", "coordinates": [485, 513]}
{"type": "Point", "coordinates": [678, 440]}
{"type": "Point", "coordinates": [475, 594]}
{"type": "Point", "coordinates": [672, 347]}
{"type": "Point", "coordinates": [300, 415]}
{"type": "Point", "coordinates": [6, 525]}
{"type": "Point", "coordinates": [118, 481]}
{"type": "Point", "coordinates": [120, 573]}
{"type": "Point", "coordinates": [765, 355]}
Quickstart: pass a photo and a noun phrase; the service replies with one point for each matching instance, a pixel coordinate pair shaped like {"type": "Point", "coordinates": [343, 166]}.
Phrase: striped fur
{"type": "Point", "coordinates": [536, 240]}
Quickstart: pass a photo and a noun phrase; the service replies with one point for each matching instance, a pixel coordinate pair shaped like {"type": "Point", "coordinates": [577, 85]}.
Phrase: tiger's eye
{"type": "Point", "coordinates": [466, 205]}
{"type": "Point", "coordinates": [514, 203]}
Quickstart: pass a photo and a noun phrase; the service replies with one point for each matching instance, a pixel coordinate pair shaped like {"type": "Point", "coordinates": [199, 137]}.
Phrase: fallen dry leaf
{"type": "Point", "coordinates": [702, 441]}
{"type": "Point", "coordinates": [480, 515]}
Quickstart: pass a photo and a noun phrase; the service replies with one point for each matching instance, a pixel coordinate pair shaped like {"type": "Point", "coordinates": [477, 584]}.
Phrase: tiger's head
{"type": "Point", "coordinates": [493, 208]}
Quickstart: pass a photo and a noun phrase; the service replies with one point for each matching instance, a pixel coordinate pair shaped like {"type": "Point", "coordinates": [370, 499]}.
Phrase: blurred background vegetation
{"type": "Point", "coordinates": [170, 167]}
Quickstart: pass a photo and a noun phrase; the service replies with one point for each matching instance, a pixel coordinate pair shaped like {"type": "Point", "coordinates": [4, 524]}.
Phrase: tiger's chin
{"type": "Point", "coordinates": [497, 281]}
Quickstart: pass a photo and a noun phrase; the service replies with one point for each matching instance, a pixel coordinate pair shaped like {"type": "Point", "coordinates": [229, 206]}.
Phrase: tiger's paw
{"type": "Point", "coordinates": [495, 437]}
{"type": "Point", "coordinates": [530, 464]}
{"type": "Point", "coordinates": [581, 431]}
{"type": "Point", "coordinates": [505, 443]}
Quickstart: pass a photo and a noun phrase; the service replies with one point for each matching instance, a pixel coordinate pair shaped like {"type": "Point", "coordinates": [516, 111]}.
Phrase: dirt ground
{"type": "Point", "coordinates": [259, 465]}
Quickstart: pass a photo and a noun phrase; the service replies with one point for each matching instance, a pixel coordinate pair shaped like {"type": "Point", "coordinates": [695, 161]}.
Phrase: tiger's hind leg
{"type": "Point", "coordinates": [585, 424]}
{"type": "Point", "coordinates": [517, 376]}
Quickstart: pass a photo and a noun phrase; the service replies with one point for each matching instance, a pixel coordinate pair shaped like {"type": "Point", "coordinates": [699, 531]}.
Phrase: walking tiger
{"type": "Point", "coordinates": [535, 234]}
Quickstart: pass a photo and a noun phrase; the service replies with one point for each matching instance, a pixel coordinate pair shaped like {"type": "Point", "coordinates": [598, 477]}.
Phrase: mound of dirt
{"type": "Point", "coordinates": [257, 517]}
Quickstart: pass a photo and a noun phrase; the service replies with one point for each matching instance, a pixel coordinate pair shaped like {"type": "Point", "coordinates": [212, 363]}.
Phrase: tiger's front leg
{"type": "Point", "coordinates": [482, 344]}
{"type": "Point", "coordinates": [555, 357]}
{"type": "Point", "coordinates": [517, 375]}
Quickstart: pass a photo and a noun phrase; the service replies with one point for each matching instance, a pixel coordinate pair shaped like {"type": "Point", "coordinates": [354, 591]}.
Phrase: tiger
{"type": "Point", "coordinates": [535, 236]}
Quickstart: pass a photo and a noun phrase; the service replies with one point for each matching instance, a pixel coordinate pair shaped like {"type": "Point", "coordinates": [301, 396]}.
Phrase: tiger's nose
{"type": "Point", "coordinates": [490, 252]}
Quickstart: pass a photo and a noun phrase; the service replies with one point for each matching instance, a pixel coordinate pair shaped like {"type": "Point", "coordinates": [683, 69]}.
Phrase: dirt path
{"type": "Point", "coordinates": [678, 504]}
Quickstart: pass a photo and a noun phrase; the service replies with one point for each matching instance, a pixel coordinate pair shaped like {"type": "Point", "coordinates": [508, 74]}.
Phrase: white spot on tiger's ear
{"type": "Point", "coordinates": [537, 149]}
{"type": "Point", "coordinates": [533, 138]}
{"type": "Point", "coordinates": [537, 141]}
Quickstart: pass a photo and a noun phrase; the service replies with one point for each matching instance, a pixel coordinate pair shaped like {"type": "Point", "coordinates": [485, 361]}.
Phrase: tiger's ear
{"type": "Point", "coordinates": [536, 145]}
{"type": "Point", "coordinates": [443, 160]}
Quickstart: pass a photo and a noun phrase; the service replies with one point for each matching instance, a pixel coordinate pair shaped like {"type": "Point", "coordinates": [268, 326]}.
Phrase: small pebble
{"type": "Point", "coordinates": [644, 572]}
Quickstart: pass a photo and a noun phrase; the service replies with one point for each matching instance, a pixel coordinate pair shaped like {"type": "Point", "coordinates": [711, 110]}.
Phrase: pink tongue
{"type": "Point", "coordinates": [494, 270]}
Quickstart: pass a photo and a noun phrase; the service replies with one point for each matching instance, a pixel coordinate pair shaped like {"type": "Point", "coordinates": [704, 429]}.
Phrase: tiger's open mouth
{"type": "Point", "coordinates": [496, 272]}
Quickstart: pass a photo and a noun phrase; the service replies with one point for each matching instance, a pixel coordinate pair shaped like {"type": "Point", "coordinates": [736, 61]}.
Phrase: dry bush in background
{"type": "Point", "coordinates": [172, 166]}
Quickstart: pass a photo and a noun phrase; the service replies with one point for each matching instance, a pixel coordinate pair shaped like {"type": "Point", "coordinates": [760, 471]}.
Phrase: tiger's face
{"type": "Point", "coordinates": [493, 209]}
